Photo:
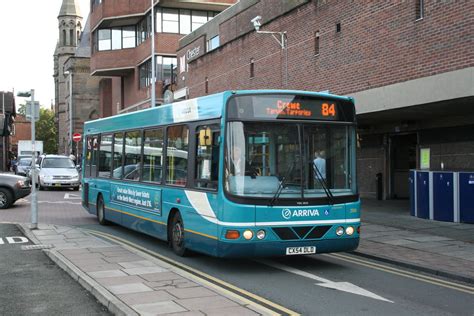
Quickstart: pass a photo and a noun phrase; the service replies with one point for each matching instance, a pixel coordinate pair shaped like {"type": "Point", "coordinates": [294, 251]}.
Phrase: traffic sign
{"type": "Point", "coordinates": [76, 137]}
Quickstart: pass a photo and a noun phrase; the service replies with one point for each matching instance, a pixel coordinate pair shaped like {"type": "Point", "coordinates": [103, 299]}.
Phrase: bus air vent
{"type": "Point", "coordinates": [285, 233]}
{"type": "Point", "coordinates": [318, 232]}
{"type": "Point", "coordinates": [302, 230]}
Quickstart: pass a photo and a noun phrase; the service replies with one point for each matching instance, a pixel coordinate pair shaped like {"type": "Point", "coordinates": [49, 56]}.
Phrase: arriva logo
{"type": "Point", "coordinates": [287, 213]}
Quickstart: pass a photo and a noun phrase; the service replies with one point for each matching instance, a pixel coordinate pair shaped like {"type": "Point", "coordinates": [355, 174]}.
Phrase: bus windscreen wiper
{"type": "Point", "coordinates": [282, 183]}
{"type": "Point", "coordinates": [319, 177]}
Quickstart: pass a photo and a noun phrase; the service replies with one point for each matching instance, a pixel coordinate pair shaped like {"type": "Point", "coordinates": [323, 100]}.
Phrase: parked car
{"type": "Point", "coordinates": [22, 166]}
{"type": "Point", "coordinates": [56, 171]}
{"type": "Point", "coordinates": [12, 188]}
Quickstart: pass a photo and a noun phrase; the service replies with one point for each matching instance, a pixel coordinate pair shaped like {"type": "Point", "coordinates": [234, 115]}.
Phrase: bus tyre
{"type": "Point", "coordinates": [101, 211]}
{"type": "Point", "coordinates": [177, 235]}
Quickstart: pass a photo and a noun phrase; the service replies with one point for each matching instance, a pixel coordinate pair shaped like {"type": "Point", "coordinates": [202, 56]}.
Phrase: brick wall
{"type": "Point", "coordinates": [380, 43]}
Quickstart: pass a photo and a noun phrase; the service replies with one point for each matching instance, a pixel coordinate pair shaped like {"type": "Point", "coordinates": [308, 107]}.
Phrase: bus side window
{"type": "Point", "coordinates": [177, 155]}
{"type": "Point", "coordinates": [207, 156]}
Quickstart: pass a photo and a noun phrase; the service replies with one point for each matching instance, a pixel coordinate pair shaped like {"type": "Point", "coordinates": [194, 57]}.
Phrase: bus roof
{"type": "Point", "coordinates": [201, 108]}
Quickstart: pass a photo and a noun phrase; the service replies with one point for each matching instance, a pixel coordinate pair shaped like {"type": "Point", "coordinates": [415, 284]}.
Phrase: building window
{"type": "Point", "coordinates": [145, 74]}
{"type": "Point", "coordinates": [78, 37]}
{"type": "Point", "coordinates": [116, 38]}
{"type": "Point", "coordinates": [166, 68]}
{"type": "Point", "coordinates": [419, 9]}
{"type": "Point", "coordinates": [143, 29]}
{"type": "Point", "coordinates": [71, 37]}
{"type": "Point", "coordinates": [252, 68]}
{"type": "Point", "coordinates": [338, 27]}
{"type": "Point", "coordinates": [182, 21]}
{"type": "Point", "coordinates": [206, 86]}
{"type": "Point", "coordinates": [64, 37]}
{"type": "Point", "coordinates": [213, 43]}
{"type": "Point", "coordinates": [316, 43]}
{"type": "Point", "coordinates": [105, 39]}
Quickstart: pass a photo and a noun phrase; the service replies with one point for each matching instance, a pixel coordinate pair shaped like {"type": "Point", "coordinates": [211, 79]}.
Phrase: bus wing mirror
{"type": "Point", "coordinates": [205, 137]}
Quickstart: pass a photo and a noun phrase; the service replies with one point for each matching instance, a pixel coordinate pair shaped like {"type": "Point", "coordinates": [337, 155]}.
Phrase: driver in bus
{"type": "Point", "coordinates": [240, 165]}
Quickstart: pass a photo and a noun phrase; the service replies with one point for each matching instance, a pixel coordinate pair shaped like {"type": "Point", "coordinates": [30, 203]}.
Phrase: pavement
{"type": "Point", "coordinates": [131, 282]}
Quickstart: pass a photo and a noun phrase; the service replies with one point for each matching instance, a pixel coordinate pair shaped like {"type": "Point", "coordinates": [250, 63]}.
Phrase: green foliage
{"type": "Point", "coordinates": [46, 131]}
{"type": "Point", "coordinates": [21, 109]}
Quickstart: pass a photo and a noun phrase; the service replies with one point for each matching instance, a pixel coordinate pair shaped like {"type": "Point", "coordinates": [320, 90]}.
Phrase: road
{"type": "Point", "coordinates": [332, 284]}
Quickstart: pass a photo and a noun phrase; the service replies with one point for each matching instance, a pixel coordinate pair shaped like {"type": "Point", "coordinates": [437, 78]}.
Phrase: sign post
{"type": "Point", "coordinates": [76, 137]}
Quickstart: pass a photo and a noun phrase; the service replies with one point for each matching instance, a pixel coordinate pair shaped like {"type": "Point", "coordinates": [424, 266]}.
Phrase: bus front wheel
{"type": "Point", "coordinates": [177, 235]}
{"type": "Point", "coordinates": [101, 211]}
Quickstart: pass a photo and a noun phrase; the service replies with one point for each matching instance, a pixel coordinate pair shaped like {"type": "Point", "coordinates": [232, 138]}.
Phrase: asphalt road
{"type": "Point", "coordinates": [337, 284]}
{"type": "Point", "coordinates": [31, 284]}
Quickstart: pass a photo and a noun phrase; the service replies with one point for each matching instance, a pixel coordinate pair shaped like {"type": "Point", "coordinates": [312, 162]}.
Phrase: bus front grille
{"type": "Point", "coordinates": [301, 232]}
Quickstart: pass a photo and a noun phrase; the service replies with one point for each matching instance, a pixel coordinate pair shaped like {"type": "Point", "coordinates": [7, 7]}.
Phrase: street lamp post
{"type": "Point", "coordinates": [70, 142]}
{"type": "Point", "coordinates": [282, 41]}
{"type": "Point", "coordinates": [34, 203]}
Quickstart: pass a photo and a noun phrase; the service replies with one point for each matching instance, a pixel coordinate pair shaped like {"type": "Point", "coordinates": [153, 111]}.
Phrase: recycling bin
{"type": "Point", "coordinates": [466, 197]}
{"type": "Point", "coordinates": [422, 194]}
{"type": "Point", "coordinates": [443, 196]}
{"type": "Point", "coordinates": [411, 184]}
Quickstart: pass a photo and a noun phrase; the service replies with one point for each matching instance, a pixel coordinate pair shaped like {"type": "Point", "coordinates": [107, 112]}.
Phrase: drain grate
{"type": "Point", "coordinates": [36, 247]}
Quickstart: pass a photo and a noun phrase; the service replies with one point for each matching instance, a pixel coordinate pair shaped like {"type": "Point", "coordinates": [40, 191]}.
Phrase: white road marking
{"type": "Point", "coordinates": [71, 196]}
{"type": "Point", "coordinates": [340, 286]}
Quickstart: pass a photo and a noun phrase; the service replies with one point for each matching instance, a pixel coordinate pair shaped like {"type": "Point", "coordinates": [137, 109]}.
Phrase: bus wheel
{"type": "Point", "coordinates": [177, 235]}
{"type": "Point", "coordinates": [101, 211]}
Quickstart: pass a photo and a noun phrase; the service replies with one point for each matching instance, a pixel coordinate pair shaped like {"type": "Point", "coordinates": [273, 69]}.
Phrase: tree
{"type": "Point", "coordinates": [46, 131]}
{"type": "Point", "coordinates": [21, 109]}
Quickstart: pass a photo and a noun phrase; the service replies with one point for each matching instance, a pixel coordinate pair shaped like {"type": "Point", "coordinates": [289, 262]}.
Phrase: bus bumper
{"type": "Point", "coordinates": [278, 248]}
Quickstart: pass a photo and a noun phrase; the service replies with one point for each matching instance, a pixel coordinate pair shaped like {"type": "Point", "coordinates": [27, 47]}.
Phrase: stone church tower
{"type": "Point", "coordinates": [70, 30]}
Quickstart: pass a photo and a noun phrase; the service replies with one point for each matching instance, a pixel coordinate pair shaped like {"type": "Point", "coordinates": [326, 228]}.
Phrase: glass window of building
{"type": "Point", "coordinates": [165, 67]}
{"type": "Point", "coordinates": [170, 20]}
{"type": "Point", "coordinates": [184, 21]}
{"type": "Point", "coordinates": [213, 43]}
{"type": "Point", "coordinates": [177, 155]}
{"type": "Point", "coordinates": [153, 155]}
{"type": "Point", "coordinates": [198, 18]}
{"type": "Point", "coordinates": [128, 36]}
{"type": "Point", "coordinates": [145, 74]}
{"type": "Point", "coordinates": [105, 39]}
{"type": "Point", "coordinates": [116, 38]}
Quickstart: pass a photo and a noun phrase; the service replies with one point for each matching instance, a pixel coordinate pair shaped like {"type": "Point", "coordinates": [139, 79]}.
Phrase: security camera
{"type": "Point", "coordinates": [256, 22]}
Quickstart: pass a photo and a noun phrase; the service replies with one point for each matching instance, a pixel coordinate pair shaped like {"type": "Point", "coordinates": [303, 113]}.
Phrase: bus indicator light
{"type": "Point", "coordinates": [232, 234]}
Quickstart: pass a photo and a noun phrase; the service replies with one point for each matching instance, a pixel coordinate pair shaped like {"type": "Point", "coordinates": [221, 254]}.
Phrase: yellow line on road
{"type": "Point", "coordinates": [249, 298]}
{"type": "Point", "coordinates": [424, 278]}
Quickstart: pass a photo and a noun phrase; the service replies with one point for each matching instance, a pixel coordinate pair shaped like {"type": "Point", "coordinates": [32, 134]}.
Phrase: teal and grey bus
{"type": "Point", "coordinates": [238, 173]}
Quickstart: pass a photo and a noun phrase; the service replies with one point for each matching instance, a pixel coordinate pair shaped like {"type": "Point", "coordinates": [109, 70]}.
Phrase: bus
{"type": "Point", "coordinates": [249, 173]}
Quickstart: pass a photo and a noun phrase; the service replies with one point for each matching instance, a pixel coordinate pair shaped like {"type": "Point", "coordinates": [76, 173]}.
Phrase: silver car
{"type": "Point", "coordinates": [57, 171]}
{"type": "Point", "coordinates": [23, 166]}
{"type": "Point", "coordinates": [12, 188]}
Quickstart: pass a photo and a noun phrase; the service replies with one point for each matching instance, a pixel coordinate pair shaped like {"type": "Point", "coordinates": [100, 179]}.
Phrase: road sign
{"type": "Point", "coordinates": [76, 137]}
{"type": "Point", "coordinates": [30, 109]}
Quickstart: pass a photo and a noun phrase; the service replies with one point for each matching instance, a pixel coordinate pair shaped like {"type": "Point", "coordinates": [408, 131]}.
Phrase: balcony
{"type": "Point", "coordinates": [127, 11]}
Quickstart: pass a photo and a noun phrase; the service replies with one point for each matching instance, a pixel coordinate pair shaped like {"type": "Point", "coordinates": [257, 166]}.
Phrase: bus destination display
{"type": "Point", "coordinates": [287, 107]}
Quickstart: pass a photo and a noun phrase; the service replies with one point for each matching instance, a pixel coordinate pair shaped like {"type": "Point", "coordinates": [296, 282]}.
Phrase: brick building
{"type": "Point", "coordinates": [408, 64]}
{"type": "Point", "coordinates": [22, 132]}
{"type": "Point", "coordinates": [7, 118]}
{"type": "Point", "coordinates": [121, 47]}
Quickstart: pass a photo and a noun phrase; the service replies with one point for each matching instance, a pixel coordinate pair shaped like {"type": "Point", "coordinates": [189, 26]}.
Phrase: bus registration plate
{"type": "Point", "coordinates": [300, 250]}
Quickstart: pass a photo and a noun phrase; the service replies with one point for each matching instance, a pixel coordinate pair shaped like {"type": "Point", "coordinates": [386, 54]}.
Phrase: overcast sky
{"type": "Point", "coordinates": [28, 37]}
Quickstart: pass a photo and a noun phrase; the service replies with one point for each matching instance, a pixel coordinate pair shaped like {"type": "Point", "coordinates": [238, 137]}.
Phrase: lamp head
{"type": "Point", "coordinates": [256, 22]}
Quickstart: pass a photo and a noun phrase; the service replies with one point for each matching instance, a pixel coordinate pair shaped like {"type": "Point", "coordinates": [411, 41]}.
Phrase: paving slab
{"type": "Point", "coordinates": [158, 308]}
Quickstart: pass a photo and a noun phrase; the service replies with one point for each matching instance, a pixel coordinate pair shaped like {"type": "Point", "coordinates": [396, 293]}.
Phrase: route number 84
{"type": "Point", "coordinates": [328, 110]}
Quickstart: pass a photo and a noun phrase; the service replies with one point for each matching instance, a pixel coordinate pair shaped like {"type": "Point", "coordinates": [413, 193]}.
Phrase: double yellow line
{"type": "Point", "coordinates": [420, 277]}
{"type": "Point", "coordinates": [251, 299]}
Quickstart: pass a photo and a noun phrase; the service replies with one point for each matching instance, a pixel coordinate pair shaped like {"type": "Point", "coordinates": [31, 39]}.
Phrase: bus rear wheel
{"type": "Point", "coordinates": [177, 235]}
{"type": "Point", "coordinates": [101, 211]}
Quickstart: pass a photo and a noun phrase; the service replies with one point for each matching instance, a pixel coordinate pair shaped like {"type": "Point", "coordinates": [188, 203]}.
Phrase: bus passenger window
{"type": "Point", "coordinates": [117, 156]}
{"type": "Point", "coordinates": [177, 155]}
{"type": "Point", "coordinates": [152, 155]}
{"type": "Point", "coordinates": [207, 156]}
{"type": "Point", "coordinates": [133, 149]}
{"type": "Point", "coordinates": [105, 156]}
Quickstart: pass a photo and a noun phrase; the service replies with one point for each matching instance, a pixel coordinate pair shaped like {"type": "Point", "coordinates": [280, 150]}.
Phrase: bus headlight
{"type": "Point", "coordinates": [261, 234]}
{"type": "Point", "coordinates": [248, 234]}
{"type": "Point", "coordinates": [349, 230]}
{"type": "Point", "coordinates": [340, 231]}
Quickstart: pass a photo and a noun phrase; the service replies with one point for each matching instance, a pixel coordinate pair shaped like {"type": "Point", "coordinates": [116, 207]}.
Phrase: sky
{"type": "Point", "coordinates": [28, 36]}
